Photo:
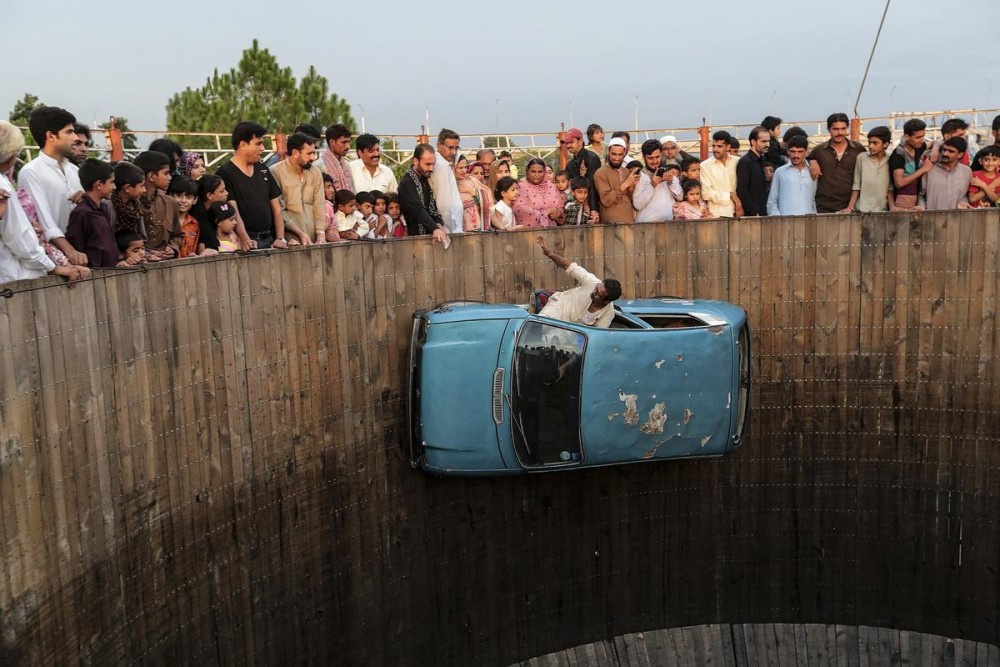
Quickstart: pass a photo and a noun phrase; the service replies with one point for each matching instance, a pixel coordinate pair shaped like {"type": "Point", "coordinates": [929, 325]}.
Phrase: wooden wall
{"type": "Point", "coordinates": [200, 463]}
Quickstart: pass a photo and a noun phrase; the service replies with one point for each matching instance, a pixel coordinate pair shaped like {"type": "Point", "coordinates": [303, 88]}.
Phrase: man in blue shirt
{"type": "Point", "coordinates": [793, 191]}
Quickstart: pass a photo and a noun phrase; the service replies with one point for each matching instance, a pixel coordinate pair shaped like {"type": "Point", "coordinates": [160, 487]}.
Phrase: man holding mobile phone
{"type": "Point", "coordinates": [658, 188]}
{"type": "Point", "coordinates": [615, 185]}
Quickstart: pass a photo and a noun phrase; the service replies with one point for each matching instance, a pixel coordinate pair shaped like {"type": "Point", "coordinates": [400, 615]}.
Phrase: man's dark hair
{"type": "Point", "coordinates": [127, 173]}
{"type": "Point", "coordinates": [613, 289]}
{"type": "Point", "coordinates": [721, 135]}
{"type": "Point", "coordinates": [421, 149]}
{"type": "Point", "coordinates": [364, 198]}
{"type": "Point", "coordinates": [342, 197]}
{"type": "Point", "coordinates": [952, 125]}
{"type": "Point", "coordinates": [80, 128]}
{"type": "Point", "coordinates": [913, 126]}
{"type": "Point", "coordinates": [770, 122]}
{"type": "Point", "coordinates": [483, 151]}
{"type": "Point", "coordinates": [649, 146]}
{"type": "Point", "coordinates": [151, 162]}
{"type": "Point", "coordinates": [993, 150]}
{"type": "Point", "coordinates": [734, 143]}
{"type": "Point", "coordinates": [124, 238]}
{"type": "Point", "coordinates": [958, 143]}
{"type": "Point", "coordinates": [688, 161]}
{"type": "Point", "coordinates": [881, 132]}
{"type": "Point", "coordinates": [622, 134]}
{"type": "Point", "coordinates": [794, 131]}
{"type": "Point", "coordinates": [996, 123]}
{"type": "Point", "coordinates": [94, 171]}
{"type": "Point", "coordinates": [336, 131]}
{"type": "Point", "coordinates": [182, 185]}
{"type": "Point", "coordinates": [578, 183]}
{"type": "Point", "coordinates": [504, 154]}
{"type": "Point", "coordinates": [837, 118]}
{"type": "Point", "coordinates": [297, 140]}
{"type": "Point", "coordinates": [445, 134]}
{"type": "Point", "coordinates": [798, 141]}
{"type": "Point", "coordinates": [48, 119]}
{"type": "Point", "coordinates": [503, 185]}
{"type": "Point", "coordinates": [378, 194]}
{"type": "Point", "coordinates": [365, 142]}
{"type": "Point", "coordinates": [247, 131]}
{"type": "Point", "coordinates": [755, 132]}
{"type": "Point", "coordinates": [311, 130]}
{"type": "Point", "coordinates": [592, 129]}
{"type": "Point", "coordinates": [170, 148]}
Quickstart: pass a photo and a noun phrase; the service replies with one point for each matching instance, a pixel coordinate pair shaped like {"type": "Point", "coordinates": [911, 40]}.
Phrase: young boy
{"type": "Point", "coordinates": [347, 223]}
{"type": "Point", "coordinates": [578, 211]}
{"type": "Point", "coordinates": [984, 189]}
{"type": "Point", "coordinates": [89, 227]}
{"type": "Point", "coordinates": [125, 212]}
{"type": "Point", "coordinates": [329, 193]}
{"type": "Point", "coordinates": [131, 248]}
{"type": "Point", "coordinates": [163, 234]}
{"type": "Point", "coordinates": [366, 210]}
{"type": "Point", "coordinates": [562, 184]}
{"type": "Point", "coordinates": [690, 169]}
{"type": "Point", "coordinates": [871, 192]}
{"type": "Point", "coordinates": [185, 194]}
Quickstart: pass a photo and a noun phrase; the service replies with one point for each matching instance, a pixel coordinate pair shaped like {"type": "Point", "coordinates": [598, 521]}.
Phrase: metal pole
{"type": "Point", "coordinates": [636, 113]}
{"type": "Point", "coordinates": [496, 113]}
{"type": "Point", "coordinates": [870, 56]}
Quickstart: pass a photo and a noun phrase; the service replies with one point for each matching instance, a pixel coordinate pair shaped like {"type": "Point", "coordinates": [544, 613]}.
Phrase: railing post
{"type": "Point", "coordinates": [563, 159]}
{"type": "Point", "coordinates": [422, 138]}
{"type": "Point", "coordinates": [280, 144]}
{"type": "Point", "coordinates": [116, 142]}
{"type": "Point", "coordinates": [703, 135]}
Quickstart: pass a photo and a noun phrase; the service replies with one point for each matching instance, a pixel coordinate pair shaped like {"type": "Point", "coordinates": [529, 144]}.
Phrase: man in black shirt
{"type": "Point", "coordinates": [751, 185]}
{"type": "Point", "coordinates": [253, 192]}
{"type": "Point", "coordinates": [584, 164]}
{"type": "Point", "coordinates": [416, 200]}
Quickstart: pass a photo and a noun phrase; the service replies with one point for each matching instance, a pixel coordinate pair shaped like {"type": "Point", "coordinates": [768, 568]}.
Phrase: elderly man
{"type": "Point", "coordinates": [589, 302]}
{"type": "Point", "coordinates": [671, 152]}
{"type": "Point", "coordinates": [368, 172]}
{"type": "Point", "coordinates": [303, 207]}
{"type": "Point", "coordinates": [442, 180]}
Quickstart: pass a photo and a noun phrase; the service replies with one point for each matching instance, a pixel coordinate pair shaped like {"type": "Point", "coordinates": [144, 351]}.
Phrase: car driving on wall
{"type": "Point", "coordinates": [494, 389]}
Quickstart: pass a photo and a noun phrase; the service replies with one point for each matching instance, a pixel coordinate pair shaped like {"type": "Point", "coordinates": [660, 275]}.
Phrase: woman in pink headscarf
{"type": "Point", "coordinates": [476, 200]}
{"type": "Point", "coordinates": [539, 202]}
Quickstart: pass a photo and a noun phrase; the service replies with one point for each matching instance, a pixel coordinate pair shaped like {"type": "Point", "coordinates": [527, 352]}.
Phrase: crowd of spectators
{"type": "Point", "coordinates": [70, 212]}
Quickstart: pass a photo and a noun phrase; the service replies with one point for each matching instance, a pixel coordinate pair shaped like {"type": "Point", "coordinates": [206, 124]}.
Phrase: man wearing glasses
{"type": "Point", "coordinates": [81, 145]}
{"type": "Point", "coordinates": [946, 185]}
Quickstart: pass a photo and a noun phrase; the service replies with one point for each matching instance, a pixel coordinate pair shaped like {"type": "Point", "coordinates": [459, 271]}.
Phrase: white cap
{"type": "Point", "coordinates": [617, 141]}
{"type": "Point", "coordinates": [668, 139]}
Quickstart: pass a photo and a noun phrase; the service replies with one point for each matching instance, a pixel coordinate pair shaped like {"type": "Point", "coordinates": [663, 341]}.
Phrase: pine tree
{"type": "Point", "coordinates": [258, 89]}
{"type": "Point", "coordinates": [23, 108]}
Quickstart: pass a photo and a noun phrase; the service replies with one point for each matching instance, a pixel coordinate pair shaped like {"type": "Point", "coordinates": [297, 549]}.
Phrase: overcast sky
{"type": "Point", "coordinates": [733, 61]}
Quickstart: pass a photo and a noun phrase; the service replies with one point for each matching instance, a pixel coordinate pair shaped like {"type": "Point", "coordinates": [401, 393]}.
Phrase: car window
{"type": "Point", "coordinates": [548, 362]}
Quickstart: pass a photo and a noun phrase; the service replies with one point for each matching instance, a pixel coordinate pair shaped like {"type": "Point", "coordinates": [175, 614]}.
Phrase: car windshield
{"type": "Point", "coordinates": [546, 394]}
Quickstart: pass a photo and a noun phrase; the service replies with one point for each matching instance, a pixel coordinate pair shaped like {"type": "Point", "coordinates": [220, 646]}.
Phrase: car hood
{"type": "Point", "coordinates": [670, 396]}
{"type": "Point", "coordinates": [456, 385]}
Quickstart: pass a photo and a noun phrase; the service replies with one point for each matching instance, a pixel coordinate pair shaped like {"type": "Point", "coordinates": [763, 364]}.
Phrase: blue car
{"type": "Point", "coordinates": [495, 390]}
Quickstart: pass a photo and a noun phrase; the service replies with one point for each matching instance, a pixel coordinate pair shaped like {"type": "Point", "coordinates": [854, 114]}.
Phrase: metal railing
{"type": "Point", "coordinates": [398, 148]}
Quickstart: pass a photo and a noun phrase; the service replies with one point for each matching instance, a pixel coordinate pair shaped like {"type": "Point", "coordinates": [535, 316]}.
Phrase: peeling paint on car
{"type": "Point", "coordinates": [679, 357]}
{"type": "Point", "coordinates": [705, 440]}
{"type": "Point", "coordinates": [659, 363]}
{"type": "Point", "coordinates": [687, 415]}
{"type": "Point", "coordinates": [631, 415]}
{"type": "Point", "coordinates": [612, 416]}
{"type": "Point", "coordinates": [654, 425]}
{"type": "Point", "coordinates": [648, 454]}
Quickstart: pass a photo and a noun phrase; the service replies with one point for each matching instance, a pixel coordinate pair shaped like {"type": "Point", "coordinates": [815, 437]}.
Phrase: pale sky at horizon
{"type": "Point", "coordinates": [917, 66]}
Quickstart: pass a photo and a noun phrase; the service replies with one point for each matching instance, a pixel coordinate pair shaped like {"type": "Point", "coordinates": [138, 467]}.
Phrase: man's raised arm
{"type": "Point", "coordinates": [557, 259]}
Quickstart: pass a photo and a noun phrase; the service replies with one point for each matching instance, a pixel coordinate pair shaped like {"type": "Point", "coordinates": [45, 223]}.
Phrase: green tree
{"type": "Point", "coordinates": [121, 122]}
{"type": "Point", "coordinates": [257, 89]}
{"type": "Point", "coordinates": [23, 108]}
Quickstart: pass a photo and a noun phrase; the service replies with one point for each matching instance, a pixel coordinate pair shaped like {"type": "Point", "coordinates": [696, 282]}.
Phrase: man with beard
{"type": "Point", "coordinates": [82, 144]}
{"type": "Point", "coordinates": [51, 179]}
{"type": "Point", "coordinates": [416, 199]}
{"type": "Point", "coordinates": [946, 185]}
{"type": "Point", "coordinates": [584, 164]}
{"type": "Point", "coordinates": [658, 189]}
{"type": "Point", "coordinates": [615, 185]}
{"type": "Point", "coordinates": [367, 172]}
{"type": "Point", "coordinates": [718, 179]}
{"type": "Point", "coordinates": [751, 184]}
{"type": "Point", "coordinates": [303, 207]}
